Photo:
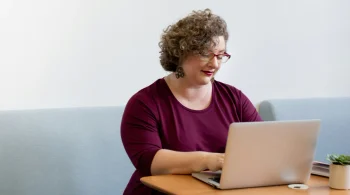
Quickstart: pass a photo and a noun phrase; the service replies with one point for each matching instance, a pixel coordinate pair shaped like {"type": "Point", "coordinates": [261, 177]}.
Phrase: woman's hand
{"type": "Point", "coordinates": [213, 161]}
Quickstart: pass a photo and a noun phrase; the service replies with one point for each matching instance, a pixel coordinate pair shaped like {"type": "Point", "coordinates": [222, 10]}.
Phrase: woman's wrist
{"type": "Point", "coordinates": [200, 162]}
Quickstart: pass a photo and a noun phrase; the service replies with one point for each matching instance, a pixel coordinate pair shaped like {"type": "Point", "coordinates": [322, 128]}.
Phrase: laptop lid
{"type": "Point", "coordinates": [269, 153]}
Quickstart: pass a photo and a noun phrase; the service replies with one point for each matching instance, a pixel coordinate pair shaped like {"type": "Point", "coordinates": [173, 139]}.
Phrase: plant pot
{"type": "Point", "coordinates": [339, 176]}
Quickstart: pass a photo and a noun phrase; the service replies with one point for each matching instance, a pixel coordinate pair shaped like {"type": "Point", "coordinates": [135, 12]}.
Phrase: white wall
{"type": "Point", "coordinates": [72, 53]}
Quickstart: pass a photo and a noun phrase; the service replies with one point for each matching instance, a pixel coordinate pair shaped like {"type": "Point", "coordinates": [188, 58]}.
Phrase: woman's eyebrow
{"type": "Point", "coordinates": [221, 51]}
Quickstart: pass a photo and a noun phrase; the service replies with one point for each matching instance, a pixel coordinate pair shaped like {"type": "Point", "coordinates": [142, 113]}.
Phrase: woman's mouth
{"type": "Point", "coordinates": [208, 73]}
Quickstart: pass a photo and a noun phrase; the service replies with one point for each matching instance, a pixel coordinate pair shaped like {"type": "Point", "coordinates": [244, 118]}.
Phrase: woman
{"type": "Point", "coordinates": [179, 124]}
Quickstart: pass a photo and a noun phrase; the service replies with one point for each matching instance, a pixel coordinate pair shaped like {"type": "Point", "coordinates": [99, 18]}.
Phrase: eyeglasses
{"type": "Point", "coordinates": [222, 58]}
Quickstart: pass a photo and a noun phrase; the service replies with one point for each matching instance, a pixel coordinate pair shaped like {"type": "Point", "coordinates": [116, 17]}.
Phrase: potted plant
{"type": "Point", "coordinates": [339, 171]}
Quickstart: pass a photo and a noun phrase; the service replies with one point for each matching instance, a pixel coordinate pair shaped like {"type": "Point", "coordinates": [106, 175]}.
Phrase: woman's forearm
{"type": "Point", "coordinates": [173, 162]}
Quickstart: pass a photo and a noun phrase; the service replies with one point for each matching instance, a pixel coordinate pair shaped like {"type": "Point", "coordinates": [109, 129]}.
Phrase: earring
{"type": "Point", "coordinates": [179, 73]}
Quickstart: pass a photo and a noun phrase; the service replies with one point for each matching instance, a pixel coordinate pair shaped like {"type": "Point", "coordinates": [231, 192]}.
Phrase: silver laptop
{"type": "Point", "coordinates": [265, 154]}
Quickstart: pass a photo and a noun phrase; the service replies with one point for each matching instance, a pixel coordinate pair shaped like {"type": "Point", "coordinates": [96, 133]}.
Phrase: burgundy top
{"type": "Point", "coordinates": [153, 119]}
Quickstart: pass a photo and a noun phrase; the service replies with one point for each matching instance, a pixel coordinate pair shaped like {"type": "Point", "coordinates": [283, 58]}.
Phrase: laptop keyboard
{"type": "Point", "coordinates": [216, 179]}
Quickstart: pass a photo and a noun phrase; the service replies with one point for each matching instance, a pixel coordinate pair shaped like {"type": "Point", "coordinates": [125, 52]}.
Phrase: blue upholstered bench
{"type": "Point", "coordinates": [79, 151]}
{"type": "Point", "coordinates": [73, 151]}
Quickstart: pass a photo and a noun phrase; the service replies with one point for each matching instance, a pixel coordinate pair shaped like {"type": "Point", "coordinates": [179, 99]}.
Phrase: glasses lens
{"type": "Point", "coordinates": [206, 57]}
{"type": "Point", "coordinates": [210, 56]}
{"type": "Point", "coordinates": [224, 59]}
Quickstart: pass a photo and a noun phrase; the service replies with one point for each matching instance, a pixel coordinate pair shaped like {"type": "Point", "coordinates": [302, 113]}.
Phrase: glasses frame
{"type": "Point", "coordinates": [217, 55]}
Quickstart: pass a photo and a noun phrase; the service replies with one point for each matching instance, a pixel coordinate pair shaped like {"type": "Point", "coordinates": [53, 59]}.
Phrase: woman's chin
{"type": "Point", "coordinates": [204, 81]}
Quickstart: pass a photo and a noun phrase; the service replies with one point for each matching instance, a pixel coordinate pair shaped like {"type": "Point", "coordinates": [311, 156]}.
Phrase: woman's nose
{"type": "Point", "coordinates": [214, 62]}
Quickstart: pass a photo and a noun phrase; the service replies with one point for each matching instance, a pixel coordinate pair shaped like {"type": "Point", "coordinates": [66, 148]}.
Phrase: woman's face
{"type": "Point", "coordinates": [200, 69]}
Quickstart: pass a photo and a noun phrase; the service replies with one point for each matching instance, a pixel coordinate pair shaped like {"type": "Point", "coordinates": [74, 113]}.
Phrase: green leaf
{"type": "Point", "coordinates": [339, 159]}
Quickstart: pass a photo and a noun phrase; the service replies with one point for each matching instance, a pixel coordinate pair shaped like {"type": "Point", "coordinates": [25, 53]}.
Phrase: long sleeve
{"type": "Point", "coordinates": [139, 133]}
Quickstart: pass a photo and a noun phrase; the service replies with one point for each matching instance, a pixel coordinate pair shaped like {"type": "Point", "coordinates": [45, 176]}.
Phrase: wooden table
{"type": "Point", "coordinates": [186, 184]}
